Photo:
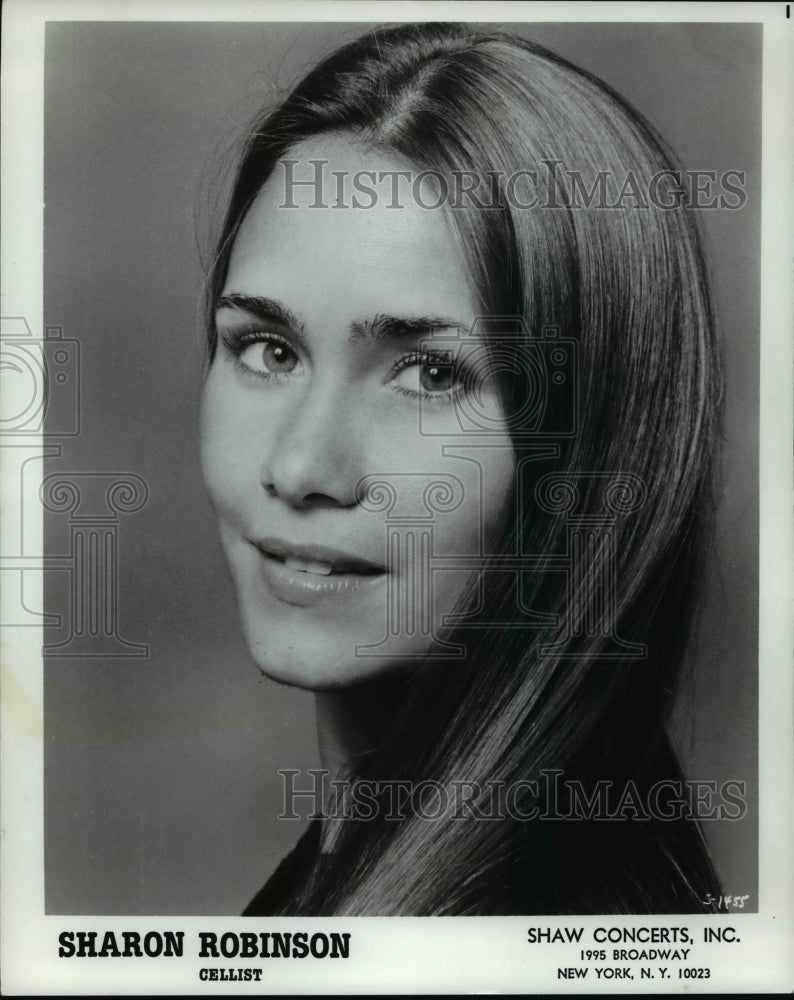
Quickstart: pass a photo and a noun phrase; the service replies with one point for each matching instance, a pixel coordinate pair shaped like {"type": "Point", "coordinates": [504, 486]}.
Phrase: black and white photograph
{"type": "Point", "coordinates": [384, 464]}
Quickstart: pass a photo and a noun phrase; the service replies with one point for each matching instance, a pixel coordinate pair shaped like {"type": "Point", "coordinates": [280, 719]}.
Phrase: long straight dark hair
{"type": "Point", "coordinates": [628, 284]}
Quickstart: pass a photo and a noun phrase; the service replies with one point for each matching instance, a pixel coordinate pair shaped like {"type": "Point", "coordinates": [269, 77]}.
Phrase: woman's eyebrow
{"type": "Point", "coordinates": [263, 308]}
{"type": "Point", "coordinates": [380, 327]}
{"type": "Point", "coordinates": [397, 327]}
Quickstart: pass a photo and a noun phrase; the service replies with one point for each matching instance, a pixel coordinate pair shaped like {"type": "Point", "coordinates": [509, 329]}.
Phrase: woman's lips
{"type": "Point", "coordinates": [308, 574]}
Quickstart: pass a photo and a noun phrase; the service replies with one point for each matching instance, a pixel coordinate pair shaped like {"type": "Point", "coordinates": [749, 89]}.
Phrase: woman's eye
{"type": "Point", "coordinates": [270, 356]}
{"type": "Point", "coordinates": [428, 376]}
{"type": "Point", "coordinates": [437, 376]}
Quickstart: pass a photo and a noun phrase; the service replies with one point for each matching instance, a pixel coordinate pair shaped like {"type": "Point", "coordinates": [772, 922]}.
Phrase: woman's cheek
{"type": "Point", "coordinates": [222, 440]}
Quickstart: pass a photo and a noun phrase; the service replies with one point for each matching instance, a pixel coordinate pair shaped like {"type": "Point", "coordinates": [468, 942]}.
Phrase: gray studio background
{"type": "Point", "coordinates": [160, 772]}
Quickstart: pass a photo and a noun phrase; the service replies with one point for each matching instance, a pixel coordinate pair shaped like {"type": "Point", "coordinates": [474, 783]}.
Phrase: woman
{"type": "Point", "coordinates": [458, 428]}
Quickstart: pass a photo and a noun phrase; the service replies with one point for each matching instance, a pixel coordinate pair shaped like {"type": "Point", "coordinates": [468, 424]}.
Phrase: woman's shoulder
{"type": "Point", "coordinates": [651, 866]}
{"type": "Point", "coordinates": [593, 867]}
{"type": "Point", "coordinates": [655, 862]}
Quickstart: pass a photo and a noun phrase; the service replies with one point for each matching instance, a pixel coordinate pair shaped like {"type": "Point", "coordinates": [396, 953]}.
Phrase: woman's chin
{"type": "Point", "coordinates": [320, 673]}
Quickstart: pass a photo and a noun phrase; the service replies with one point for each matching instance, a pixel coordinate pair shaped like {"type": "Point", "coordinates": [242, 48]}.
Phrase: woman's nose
{"type": "Point", "coordinates": [315, 455]}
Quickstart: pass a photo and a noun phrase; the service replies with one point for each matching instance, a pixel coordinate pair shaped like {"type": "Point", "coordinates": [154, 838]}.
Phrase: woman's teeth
{"type": "Point", "coordinates": [306, 566]}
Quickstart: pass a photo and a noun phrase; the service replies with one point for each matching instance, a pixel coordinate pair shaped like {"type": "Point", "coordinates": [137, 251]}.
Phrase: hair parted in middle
{"type": "Point", "coordinates": [629, 285]}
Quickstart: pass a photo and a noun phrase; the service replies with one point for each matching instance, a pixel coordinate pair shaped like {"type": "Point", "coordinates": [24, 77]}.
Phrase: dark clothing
{"type": "Point", "coordinates": [282, 885]}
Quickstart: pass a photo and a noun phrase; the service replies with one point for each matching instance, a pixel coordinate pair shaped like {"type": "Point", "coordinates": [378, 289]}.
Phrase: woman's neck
{"type": "Point", "coordinates": [351, 722]}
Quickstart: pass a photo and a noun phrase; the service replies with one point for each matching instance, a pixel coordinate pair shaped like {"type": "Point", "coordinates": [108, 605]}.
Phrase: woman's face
{"type": "Point", "coordinates": [321, 379]}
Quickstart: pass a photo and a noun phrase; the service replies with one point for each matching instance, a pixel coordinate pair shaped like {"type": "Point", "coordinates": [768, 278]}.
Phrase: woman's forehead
{"type": "Point", "coordinates": [301, 242]}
